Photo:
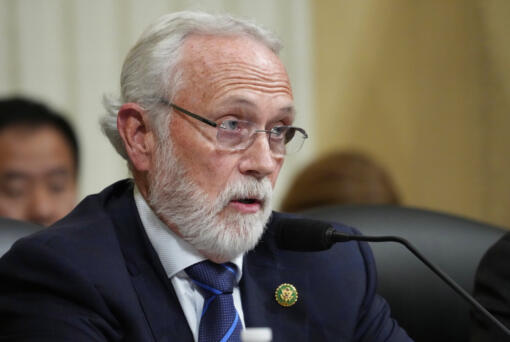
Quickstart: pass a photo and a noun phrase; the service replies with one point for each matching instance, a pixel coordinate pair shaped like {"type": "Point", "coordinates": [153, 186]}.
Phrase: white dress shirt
{"type": "Point", "coordinates": [175, 255]}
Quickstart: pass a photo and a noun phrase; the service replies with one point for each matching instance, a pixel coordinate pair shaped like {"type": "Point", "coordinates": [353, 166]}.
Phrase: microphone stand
{"type": "Point", "coordinates": [340, 237]}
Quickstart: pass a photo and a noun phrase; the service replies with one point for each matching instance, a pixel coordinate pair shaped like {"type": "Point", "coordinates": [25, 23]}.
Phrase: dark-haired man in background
{"type": "Point", "coordinates": [38, 162]}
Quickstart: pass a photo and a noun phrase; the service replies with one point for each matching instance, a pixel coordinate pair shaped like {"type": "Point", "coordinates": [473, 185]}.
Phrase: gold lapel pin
{"type": "Point", "coordinates": [286, 295]}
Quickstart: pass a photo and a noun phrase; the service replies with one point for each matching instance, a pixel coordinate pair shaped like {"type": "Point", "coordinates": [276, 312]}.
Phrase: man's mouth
{"type": "Point", "coordinates": [246, 205]}
{"type": "Point", "coordinates": [247, 200]}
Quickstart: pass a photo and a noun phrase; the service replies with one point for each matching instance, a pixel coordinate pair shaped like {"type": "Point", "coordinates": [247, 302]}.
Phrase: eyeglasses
{"type": "Point", "coordinates": [236, 135]}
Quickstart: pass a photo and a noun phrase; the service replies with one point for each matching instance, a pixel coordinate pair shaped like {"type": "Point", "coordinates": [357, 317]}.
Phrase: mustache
{"type": "Point", "coordinates": [249, 187]}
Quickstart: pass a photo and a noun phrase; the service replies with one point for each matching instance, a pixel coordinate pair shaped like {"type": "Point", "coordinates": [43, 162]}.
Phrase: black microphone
{"type": "Point", "coordinates": [305, 235]}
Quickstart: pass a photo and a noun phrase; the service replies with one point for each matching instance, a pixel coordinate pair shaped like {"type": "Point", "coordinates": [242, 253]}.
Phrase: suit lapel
{"type": "Point", "coordinates": [263, 272]}
{"type": "Point", "coordinates": [156, 295]}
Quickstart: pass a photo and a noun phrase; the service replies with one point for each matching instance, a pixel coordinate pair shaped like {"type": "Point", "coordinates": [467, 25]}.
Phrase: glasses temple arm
{"type": "Point", "coordinates": [193, 115]}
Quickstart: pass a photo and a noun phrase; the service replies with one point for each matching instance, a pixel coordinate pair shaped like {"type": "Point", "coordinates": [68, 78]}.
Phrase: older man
{"type": "Point", "coordinates": [182, 252]}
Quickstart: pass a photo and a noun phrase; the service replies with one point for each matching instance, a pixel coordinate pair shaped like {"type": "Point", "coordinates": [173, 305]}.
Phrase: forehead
{"type": "Point", "coordinates": [207, 50]}
{"type": "Point", "coordinates": [33, 148]}
{"type": "Point", "coordinates": [214, 66]}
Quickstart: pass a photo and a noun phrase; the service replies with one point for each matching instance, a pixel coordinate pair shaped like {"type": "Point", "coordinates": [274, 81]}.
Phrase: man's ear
{"type": "Point", "coordinates": [133, 126]}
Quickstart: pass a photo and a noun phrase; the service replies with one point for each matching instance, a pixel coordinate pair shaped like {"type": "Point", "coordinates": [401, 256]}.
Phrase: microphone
{"type": "Point", "coordinates": [306, 235]}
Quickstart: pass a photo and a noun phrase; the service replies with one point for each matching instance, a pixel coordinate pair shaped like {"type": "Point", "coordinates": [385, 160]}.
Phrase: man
{"type": "Point", "coordinates": [180, 253]}
{"type": "Point", "coordinates": [38, 162]}
{"type": "Point", "coordinates": [492, 290]}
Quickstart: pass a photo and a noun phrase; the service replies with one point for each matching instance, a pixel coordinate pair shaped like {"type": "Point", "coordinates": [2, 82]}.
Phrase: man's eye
{"type": "Point", "coordinates": [59, 182]}
{"type": "Point", "coordinates": [56, 188]}
{"type": "Point", "coordinates": [13, 191]}
{"type": "Point", "coordinates": [230, 125]}
{"type": "Point", "coordinates": [278, 131]}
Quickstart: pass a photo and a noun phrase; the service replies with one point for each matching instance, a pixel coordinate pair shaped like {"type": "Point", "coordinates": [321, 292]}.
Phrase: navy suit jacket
{"type": "Point", "coordinates": [94, 276]}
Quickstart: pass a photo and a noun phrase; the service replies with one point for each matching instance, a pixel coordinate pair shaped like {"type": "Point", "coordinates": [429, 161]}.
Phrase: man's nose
{"type": "Point", "coordinates": [41, 209]}
{"type": "Point", "coordinates": [258, 160]}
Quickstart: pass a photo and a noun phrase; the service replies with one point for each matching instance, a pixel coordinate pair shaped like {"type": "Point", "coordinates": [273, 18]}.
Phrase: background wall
{"type": "Point", "coordinates": [424, 86]}
{"type": "Point", "coordinates": [68, 53]}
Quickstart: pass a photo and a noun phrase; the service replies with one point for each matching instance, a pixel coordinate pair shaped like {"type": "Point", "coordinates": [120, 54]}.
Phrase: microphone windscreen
{"type": "Point", "coordinates": [303, 235]}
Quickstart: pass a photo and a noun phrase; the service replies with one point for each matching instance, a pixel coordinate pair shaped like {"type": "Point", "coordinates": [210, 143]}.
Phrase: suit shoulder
{"type": "Point", "coordinates": [84, 238]}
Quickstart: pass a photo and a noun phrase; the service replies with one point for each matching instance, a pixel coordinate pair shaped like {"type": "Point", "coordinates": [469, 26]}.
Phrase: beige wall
{"type": "Point", "coordinates": [68, 53]}
{"type": "Point", "coordinates": [424, 87]}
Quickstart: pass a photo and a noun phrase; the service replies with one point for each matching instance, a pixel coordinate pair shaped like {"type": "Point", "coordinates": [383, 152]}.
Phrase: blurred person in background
{"type": "Point", "coordinates": [492, 290]}
{"type": "Point", "coordinates": [341, 177]}
{"type": "Point", "coordinates": [38, 162]}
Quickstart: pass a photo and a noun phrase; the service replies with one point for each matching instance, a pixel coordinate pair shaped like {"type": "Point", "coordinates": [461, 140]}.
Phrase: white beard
{"type": "Point", "coordinates": [218, 234]}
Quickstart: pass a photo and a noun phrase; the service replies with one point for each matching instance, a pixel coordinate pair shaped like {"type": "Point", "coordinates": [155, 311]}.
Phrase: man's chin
{"type": "Point", "coordinates": [235, 235]}
{"type": "Point", "coordinates": [219, 258]}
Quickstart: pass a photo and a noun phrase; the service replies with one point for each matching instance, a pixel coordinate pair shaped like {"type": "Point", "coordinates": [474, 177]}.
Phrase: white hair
{"type": "Point", "coordinates": [150, 72]}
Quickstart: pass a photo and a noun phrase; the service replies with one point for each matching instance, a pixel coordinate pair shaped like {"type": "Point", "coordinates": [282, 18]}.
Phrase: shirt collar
{"type": "Point", "coordinates": [174, 253]}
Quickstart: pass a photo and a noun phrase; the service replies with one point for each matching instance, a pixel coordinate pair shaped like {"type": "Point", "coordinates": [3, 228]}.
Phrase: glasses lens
{"type": "Point", "coordinates": [234, 134]}
{"type": "Point", "coordinates": [291, 133]}
{"type": "Point", "coordinates": [239, 134]}
{"type": "Point", "coordinates": [290, 140]}
{"type": "Point", "coordinates": [295, 140]}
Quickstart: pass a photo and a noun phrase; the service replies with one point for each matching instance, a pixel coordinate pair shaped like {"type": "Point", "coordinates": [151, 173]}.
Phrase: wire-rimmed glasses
{"type": "Point", "coordinates": [236, 135]}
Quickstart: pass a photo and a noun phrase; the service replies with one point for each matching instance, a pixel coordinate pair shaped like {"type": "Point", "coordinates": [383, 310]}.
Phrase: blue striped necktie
{"type": "Point", "coordinates": [219, 321]}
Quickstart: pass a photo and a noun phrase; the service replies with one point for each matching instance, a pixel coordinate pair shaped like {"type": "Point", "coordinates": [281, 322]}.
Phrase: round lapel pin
{"type": "Point", "coordinates": [286, 295]}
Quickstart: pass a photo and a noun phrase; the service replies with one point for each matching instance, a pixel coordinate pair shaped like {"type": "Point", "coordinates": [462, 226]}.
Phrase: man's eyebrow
{"type": "Point", "coordinates": [10, 175]}
{"type": "Point", "coordinates": [289, 110]}
{"type": "Point", "coordinates": [58, 172]}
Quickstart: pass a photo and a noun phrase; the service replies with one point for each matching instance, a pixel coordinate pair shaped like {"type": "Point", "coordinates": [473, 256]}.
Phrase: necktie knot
{"type": "Point", "coordinates": [213, 279]}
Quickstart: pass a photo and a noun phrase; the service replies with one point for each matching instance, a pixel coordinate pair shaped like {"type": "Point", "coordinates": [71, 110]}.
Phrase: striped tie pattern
{"type": "Point", "coordinates": [220, 321]}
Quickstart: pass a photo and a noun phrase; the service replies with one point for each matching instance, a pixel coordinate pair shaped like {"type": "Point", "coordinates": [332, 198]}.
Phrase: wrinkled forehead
{"type": "Point", "coordinates": [206, 50]}
{"type": "Point", "coordinates": [217, 63]}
